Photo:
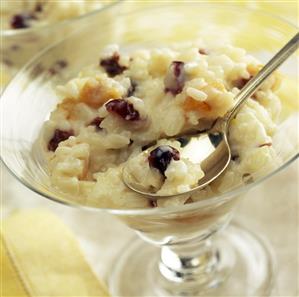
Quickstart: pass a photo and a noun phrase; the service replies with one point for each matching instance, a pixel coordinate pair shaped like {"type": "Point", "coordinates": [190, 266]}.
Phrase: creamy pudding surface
{"type": "Point", "coordinates": [22, 14]}
{"type": "Point", "coordinates": [113, 110]}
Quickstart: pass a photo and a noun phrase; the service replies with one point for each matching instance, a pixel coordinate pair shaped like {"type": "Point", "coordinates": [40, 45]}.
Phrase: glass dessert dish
{"type": "Point", "coordinates": [19, 45]}
{"type": "Point", "coordinates": [187, 251]}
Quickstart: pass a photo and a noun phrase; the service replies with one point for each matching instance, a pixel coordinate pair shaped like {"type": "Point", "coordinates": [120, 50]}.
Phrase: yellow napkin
{"type": "Point", "coordinates": [40, 257]}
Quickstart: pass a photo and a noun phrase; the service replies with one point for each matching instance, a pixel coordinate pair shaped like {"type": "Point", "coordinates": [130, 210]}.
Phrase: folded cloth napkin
{"type": "Point", "coordinates": [40, 257]}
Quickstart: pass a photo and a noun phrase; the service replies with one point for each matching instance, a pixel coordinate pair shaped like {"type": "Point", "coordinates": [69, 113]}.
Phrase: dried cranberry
{"type": "Point", "coordinates": [153, 203]}
{"type": "Point", "coordinates": [123, 108]}
{"type": "Point", "coordinates": [58, 66]}
{"type": "Point", "coordinates": [247, 178]}
{"type": "Point", "coordinates": [161, 156]}
{"type": "Point", "coordinates": [188, 201]}
{"type": "Point", "coordinates": [21, 21]}
{"type": "Point", "coordinates": [59, 135]}
{"type": "Point", "coordinates": [235, 157]}
{"type": "Point", "coordinates": [131, 89]}
{"type": "Point", "coordinates": [61, 63]}
{"type": "Point", "coordinates": [15, 47]}
{"type": "Point", "coordinates": [96, 122]}
{"type": "Point", "coordinates": [7, 62]}
{"type": "Point", "coordinates": [37, 70]}
{"type": "Point", "coordinates": [175, 79]}
{"type": "Point", "coordinates": [112, 65]}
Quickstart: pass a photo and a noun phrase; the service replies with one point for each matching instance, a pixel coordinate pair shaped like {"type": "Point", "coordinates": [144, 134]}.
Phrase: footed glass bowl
{"type": "Point", "coordinates": [183, 252]}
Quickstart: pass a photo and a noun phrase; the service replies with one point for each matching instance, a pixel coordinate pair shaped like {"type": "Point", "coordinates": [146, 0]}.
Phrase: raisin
{"type": "Point", "coordinates": [21, 21]}
{"type": "Point", "coordinates": [123, 109]}
{"type": "Point", "coordinates": [59, 135]}
{"type": "Point", "coordinates": [112, 66]}
{"type": "Point", "coordinates": [161, 156]}
{"type": "Point", "coordinates": [96, 122]}
{"type": "Point", "coordinates": [131, 89]}
{"type": "Point", "coordinates": [175, 79]}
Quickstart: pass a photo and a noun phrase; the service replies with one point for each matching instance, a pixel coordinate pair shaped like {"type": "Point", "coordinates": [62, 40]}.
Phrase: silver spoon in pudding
{"type": "Point", "coordinates": [211, 149]}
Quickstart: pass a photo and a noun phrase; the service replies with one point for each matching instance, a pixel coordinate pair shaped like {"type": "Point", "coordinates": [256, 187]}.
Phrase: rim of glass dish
{"type": "Point", "coordinates": [157, 210]}
{"type": "Point", "coordinates": [23, 31]}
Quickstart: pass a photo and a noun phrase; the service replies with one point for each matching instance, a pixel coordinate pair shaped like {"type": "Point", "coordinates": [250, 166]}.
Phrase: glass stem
{"type": "Point", "coordinates": [184, 269]}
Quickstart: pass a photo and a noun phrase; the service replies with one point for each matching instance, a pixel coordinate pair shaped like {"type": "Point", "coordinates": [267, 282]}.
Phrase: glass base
{"type": "Point", "coordinates": [245, 268]}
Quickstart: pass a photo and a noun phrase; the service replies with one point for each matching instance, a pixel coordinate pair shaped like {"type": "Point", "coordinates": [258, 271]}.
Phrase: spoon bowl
{"type": "Point", "coordinates": [213, 159]}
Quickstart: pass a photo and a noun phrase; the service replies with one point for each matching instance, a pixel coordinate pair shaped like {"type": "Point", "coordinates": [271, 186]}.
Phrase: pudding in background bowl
{"type": "Point", "coordinates": [29, 26]}
{"type": "Point", "coordinates": [24, 14]}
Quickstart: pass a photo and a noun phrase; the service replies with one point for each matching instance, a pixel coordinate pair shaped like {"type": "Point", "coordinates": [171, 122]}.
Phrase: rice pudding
{"type": "Point", "coordinates": [112, 111]}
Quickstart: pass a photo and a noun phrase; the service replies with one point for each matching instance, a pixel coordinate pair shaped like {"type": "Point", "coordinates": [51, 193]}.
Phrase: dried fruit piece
{"type": "Point", "coordinates": [68, 105]}
{"type": "Point", "coordinates": [235, 157]}
{"type": "Point", "coordinates": [59, 135]}
{"type": "Point", "coordinates": [161, 156]}
{"type": "Point", "coordinates": [57, 67]}
{"type": "Point", "coordinates": [203, 51]}
{"type": "Point", "coordinates": [194, 105]}
{"type": "Point", "coordinates": [112, 66]}
{"type": "Point", "coordinates": [153, 203]}
{"type": "Point", "coordinates": [7, 62]}
{"type": "Point", "coordinates": [21, 20]}
{"type": "Point", "coordinates": [95, 95]}
{"type": "Point", "coordinates": [96, 122]}
{"type": "Point", "coordinates": [175, 79]}
{"type": "Point", "coordinates": [247, 178]}
{"type": "Point", "coordinates": [123, 108]}
{"type": "Point", "coordinates": [188, 201]}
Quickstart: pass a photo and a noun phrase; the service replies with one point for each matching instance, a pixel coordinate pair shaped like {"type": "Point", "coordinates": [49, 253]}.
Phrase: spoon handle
{"type": "Point", "coordinates": [267, 70]}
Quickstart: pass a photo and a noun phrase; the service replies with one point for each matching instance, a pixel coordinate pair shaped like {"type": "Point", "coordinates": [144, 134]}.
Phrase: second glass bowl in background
{"type": "Point", "coordinates": [18, 46]}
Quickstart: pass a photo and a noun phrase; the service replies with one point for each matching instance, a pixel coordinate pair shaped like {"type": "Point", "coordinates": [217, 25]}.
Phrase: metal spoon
{"type": "Point", "coordinates": [211, 149]}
